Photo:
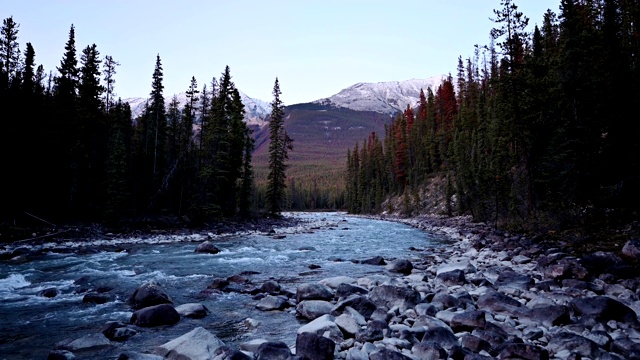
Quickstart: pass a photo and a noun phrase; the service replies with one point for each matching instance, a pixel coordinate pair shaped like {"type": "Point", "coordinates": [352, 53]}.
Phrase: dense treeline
{"type": "Point", "coordinates": [536, 128]}
{"type": "Point", "coordinates": [71, 151]}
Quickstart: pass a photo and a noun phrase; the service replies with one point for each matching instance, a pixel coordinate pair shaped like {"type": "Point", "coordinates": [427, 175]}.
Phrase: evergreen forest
{"type": "Point", "coordinates": [71, 151]}
{"type": "Point", "coordinates": [537, 129]}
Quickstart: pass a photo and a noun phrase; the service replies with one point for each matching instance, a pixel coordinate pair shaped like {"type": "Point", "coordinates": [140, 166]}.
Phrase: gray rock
{"type": "Point", "coordinates": [192, 310]}
{"type": "Point", "coordinates": [87, 342]}
{"type": "Point", "coordinates": [348, 324]}
{"type": "Point", "coordinates": [158, 315]}
{"type": "Point", "coordinates": [117, 331]}
{"type": "Point", "coordinates": [626, 347]}
{"type": "Point", "coordinates": [442, 336]}
{"type": "Point", "coordinates": [273, 350]}
{"type": "Point", "coordinates": [387, 354]}
{"type": "Point", "coordinates": [631, 250]}
{"type": "Point", "coordinates": [335, 281]}
{"type": "Point", "coordinates": [49, 293]}
{"type": "Point", "coordinates": [207, 248]}
{"type": "Point", "coordinates": [376, 260]}
{"type": "Point", "coordinates": [310, 346]}
{"type": "Point", "coordinates": [357, 354]}
{"type": "Point", "coordinates": [60, 355]}
{"type": "Point", "coordinates": [524, 351]}
{"type": "Point", "coordinates": [197, 344]}
{"type": "Point", "coordinates": [313, 292]}
{"type": "Point", "coordinates": [468, 321]}
{"type": "Point", "coordinates": [312, 309]}
{"type": "Point", "coordinates": [573, 343]}
{"type": "Point", "coordinates": [510, 278]}
{"type": "Point", "coordinates": [603, 309]}
{"type": "Point", "coordinates": [361, 304]}
{"type": "Point", "coordinates": [401, 266]}
{"type": "Point", "coordinates": [132, 355]}
{"type": "Point", "coordinates": [321, 325]}
{"type": "Point", "coordinates": [149, 294]}
{"type": "Point", "coordinates": [429, 350]}
{"type": "Point", "coordinates": [453, 277]}
{"type": "Point", "coordinates": [497, 302]}
{"type": "Point", "coordinates": [270, 287]}
{"type": "Point", "coordinates": [345, 290]}
{"type": "Point", "coordinates": [474, 343]}
{"type": "Point", "coordinates": [270, 302]}
{"type": "Point", "coordinates": [390, 296]}
{"type": "Point", "coordinates": [549, 315]}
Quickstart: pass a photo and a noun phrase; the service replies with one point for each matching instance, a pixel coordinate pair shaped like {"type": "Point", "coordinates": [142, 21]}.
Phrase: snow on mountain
{"type": "Point", "coordinates": [256, 111]}
{"type": "Point", "coordinates": [383, 97]}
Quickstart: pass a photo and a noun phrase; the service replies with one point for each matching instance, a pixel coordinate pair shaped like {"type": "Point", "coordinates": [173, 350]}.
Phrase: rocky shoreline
{"type": "Point", "coordinates": [486, 295]}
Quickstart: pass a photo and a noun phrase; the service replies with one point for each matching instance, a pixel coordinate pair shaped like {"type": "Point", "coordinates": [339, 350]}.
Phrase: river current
{"type": "Point", "coordinates": [31, 324]}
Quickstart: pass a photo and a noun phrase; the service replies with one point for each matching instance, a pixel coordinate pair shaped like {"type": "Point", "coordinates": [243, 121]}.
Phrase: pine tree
{"type": "Point", "coordinates": [109, 70]}
{"type": "Point", "coordinates": [280, 144]}
{"type": "Point", "coordinates": [9, 49]}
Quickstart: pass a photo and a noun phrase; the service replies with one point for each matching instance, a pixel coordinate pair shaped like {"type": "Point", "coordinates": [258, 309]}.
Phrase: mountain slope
{"type": "Point", "coordinates": [255, 110]}
{"type": "Point", "coordinates": [383, 97]}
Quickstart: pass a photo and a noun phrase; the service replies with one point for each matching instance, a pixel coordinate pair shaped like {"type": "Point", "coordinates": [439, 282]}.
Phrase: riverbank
{"type": "Point", "coordinates": [486, 294]}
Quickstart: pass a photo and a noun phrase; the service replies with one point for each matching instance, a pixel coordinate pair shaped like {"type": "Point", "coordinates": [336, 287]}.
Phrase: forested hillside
{"type": "Point", "coordinates": [536, 129]}
{"type": "Point", "coordinates": [71, 152]}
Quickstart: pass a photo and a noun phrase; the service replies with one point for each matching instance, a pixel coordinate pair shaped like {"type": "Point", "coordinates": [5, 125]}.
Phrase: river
{"type": "Point", "coordinates": [31, 324]}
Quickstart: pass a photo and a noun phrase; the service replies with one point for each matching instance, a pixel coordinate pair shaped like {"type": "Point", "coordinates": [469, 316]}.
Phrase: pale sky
{"type": "Point", "coordinates": [315, 48]}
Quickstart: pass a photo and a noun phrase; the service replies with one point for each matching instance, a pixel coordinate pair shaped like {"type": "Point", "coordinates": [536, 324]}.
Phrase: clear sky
{"type": "Point", "coordinates": [315, 47]}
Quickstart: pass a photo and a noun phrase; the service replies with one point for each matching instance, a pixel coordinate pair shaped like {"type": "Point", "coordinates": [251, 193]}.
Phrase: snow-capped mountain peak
{"type": "Point", "coordinates": [384, 97]}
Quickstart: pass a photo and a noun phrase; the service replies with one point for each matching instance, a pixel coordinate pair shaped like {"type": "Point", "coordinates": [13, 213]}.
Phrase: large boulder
{"type": "Point", "coordinates": [401, 266]}
{"type": "Point", "coordinates": [390, 296]}
{"type": "Point", "coordinates": [271, 302]}
{"type": "Point", "coordinates": [310, 346]}
{"type": "Point", "coordinates": [207, 248]}
{"type": "Point", "coordinates": [192, 310]}
{"type": "Point", "coordinates": [158, 315]}
{"type": "Point", "coordinates": [320, 326]}
{"type": "Point", "coordinates": [360, 304]}
{"type": "Point", "coordinates": [197, 344]}
{"type": "Point", "coordinates": [273, 350]}
{"type": "Point", "coordinates": [631, 250]}
{"type": "Point", "coordinates": [312, 309]}
{"type": "Point", "coordinates": [87, 342]}
{"type": "Point", "coordinates": [313, 292]}
{"type": "Point", "coordinates": [149, 294]}
{"type": "Point", "coordinates": [117, 331]}
{"type": "Point", "coordinates": [603, 309]}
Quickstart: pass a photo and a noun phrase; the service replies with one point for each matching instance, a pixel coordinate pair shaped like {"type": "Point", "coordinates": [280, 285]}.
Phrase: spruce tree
{"type": "Point", "coordinates": [280, 144]}
{"type": "Point", "coordinates": [9, 49]}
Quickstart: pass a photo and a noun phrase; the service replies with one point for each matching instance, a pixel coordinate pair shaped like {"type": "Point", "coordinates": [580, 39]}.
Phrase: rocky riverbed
{"type": "Point", "coordinates": [487, 295]}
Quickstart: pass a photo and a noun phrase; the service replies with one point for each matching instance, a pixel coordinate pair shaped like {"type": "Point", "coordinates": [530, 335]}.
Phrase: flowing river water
{"type": "Point", "coordinates": [31, 324]}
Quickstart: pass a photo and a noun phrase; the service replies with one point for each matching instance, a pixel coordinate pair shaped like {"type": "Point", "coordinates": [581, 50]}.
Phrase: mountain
{"type": "Point", "coordinates": [383, 97]}
{"type": "Point", "coordinates": [256, 110]}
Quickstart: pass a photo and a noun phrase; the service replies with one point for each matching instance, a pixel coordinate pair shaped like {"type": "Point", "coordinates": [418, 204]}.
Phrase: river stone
{"type": "Point", "coordinates": [387, 354]}
{"type": "Point", "coordinates": [573, 343]}
{"type": "Point", "coordinates": [498, 302]}
{"type": "Point", "coordinates": [96, 298]}
{"type": "Point", "coordinates": [401, 266]}
{"type": "Point", "coordinates": [390, 296]}
{"type": "Point", "coordinates": [49, 293]}
{"type": "Point", "coordinates": [207, 248]}
{"type": "Point", "coordinates": [334, 282]}
{"type": "Point", "coordinates": [376, 260]}
{"type": "Point", "coordinates": [357, 354]}
{"type": "Point", "coordinates": [62, 355]}
{"type": "Point", "coordinates": [252, 345]}
{"type": "Point", "coordinates": [361, 304]}
{"type": "Point", "coordinates": [322, 325]}
{"type": "Point", "coordinates": [227, 353]}
{"type": "Point", "coordinates": [117, 331]}
{"type": "Point", "coordinates": [429, 350]}
{"type": "Point", "coordinates": [149, 294]}
{"type": "Point", "coordinates": [197, 344]}
{"type": "Point", "coordinates": [626, 347]}
{"type": "Point", "coordinates": [270, 287]}
{"type": "Point", "coordinates": [464, 265]}
{"type": "Point", "coordinates": [270, 302]}
{"type": "Point", "coordinates": [158, 315]}
{"type": "Point", "coordinates": [510, 278]}
{"type": "Point", "coordinates": [132, 355]}
{"type": "Point", "coordinates": [468, 320]}
{"type": "Point", "coordinates": [549, 315]}
{"type": "Point", "coordinates": [273, 350]}
{"type": "Point", "coordinates": [192, 310]}
{"type": "Point", "coordinates": [312, 309]}
{"type": "Point", "coordinates": [345, 290]}
{"type": "Point", "coordinates": [313, 292]}
{"type": "Point", "coordinates": [631, 250]}
{"type": "Point", "coordinates": [524, 351]}
{"type": "Point", "coordinates": [310, 346]}
{"type": "Point", "coordinates": [474, 343]}
{"type": "Point", "coordinates": [87, 342]}
{"type": "Point", "coordinates": [603, 308]}
{"type": "Point", "coordinates": [453, 277]}
{"type": "Point", "coordinates": [442, 336]}
{"type": "Point", "coordinates": [348, 324]}
{"type": "Point", "coordinates": [600, 261]}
